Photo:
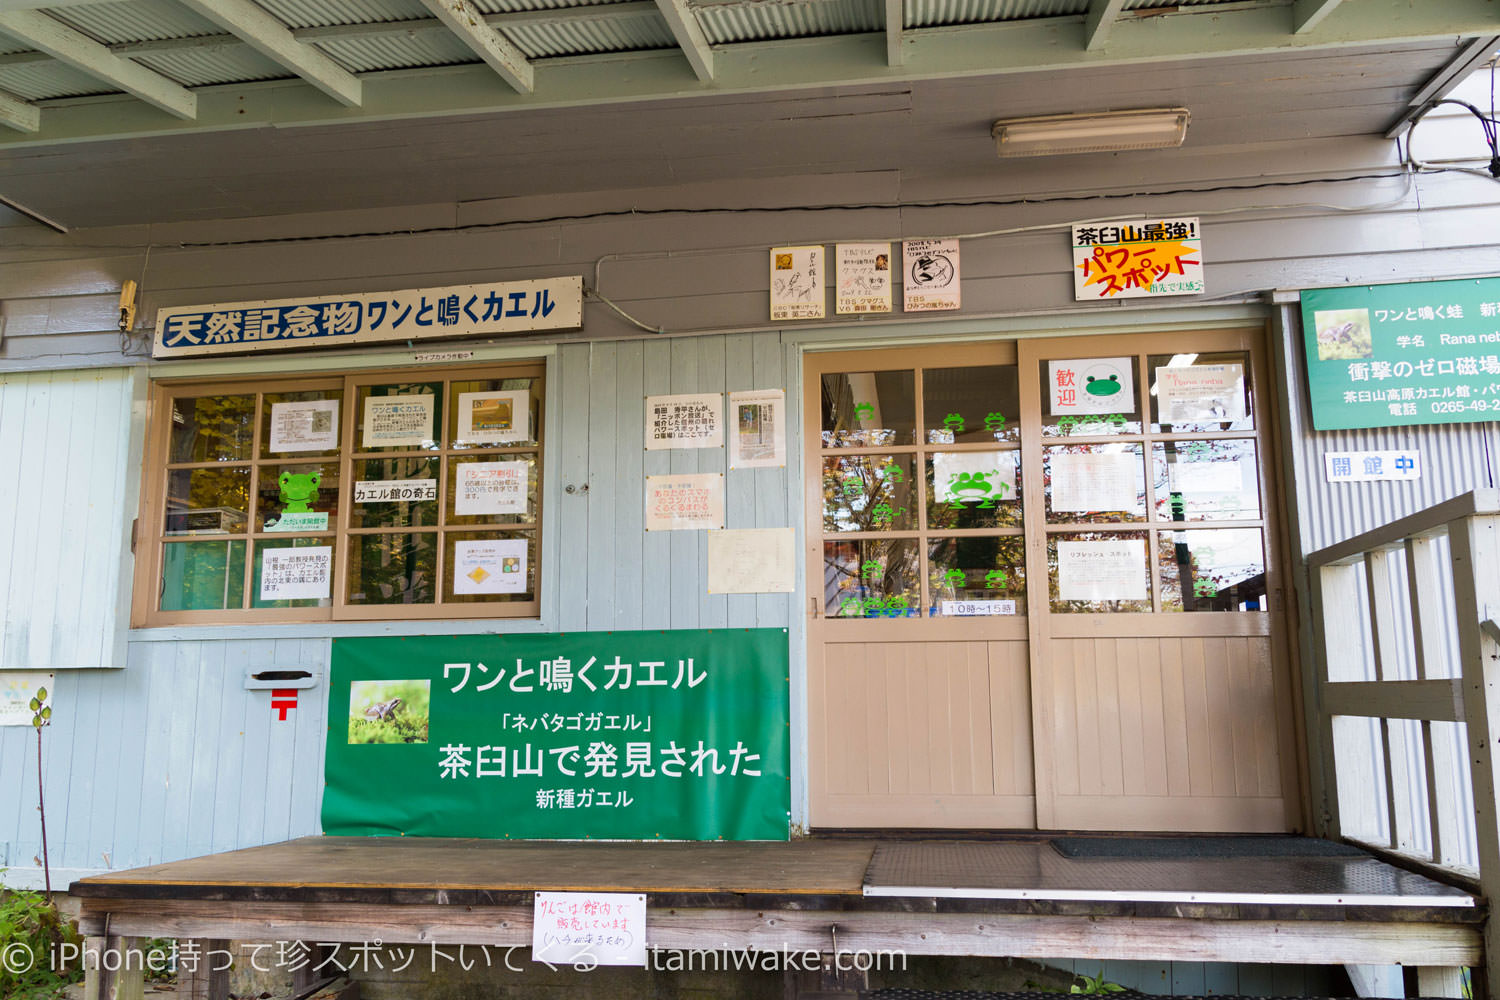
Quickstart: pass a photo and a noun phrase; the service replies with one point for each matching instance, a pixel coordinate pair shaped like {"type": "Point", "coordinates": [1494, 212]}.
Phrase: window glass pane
{"type": "Point", "coordinates": [403, 416]}
{"type": "Point", "coordinates": [964, 405]}
{"type": "Point", "coordinates": [297, 497]}
{"type": "Point", "coordinates": [393, 568]}
{"type": "Point", "coordinates": [212, 429]}
{"type": "Point", "coordinates": [868, 493]}
{"type": "Point", "coordinates": [1090, 397]}
{"type": "Point", "coordinates": [1098, 571]}
{"type": "Point", "coordinates": [292, 573]}
{"type": "Point", "coordinates": [211, 501]}
{"type": "Point", "coordinates": [977, 576]}
{"type": "Point", "coordinates": [488, 412]}
{"type": "Point", "coordinates": [394, 492]}
{"type": "Point", "coordinates": [974, 489]}
{"type": "Point", "coordinates": [301, 424]}
{"type": "Point", "coordinates": [1094, 483]}
{"type": "Point", "coordinates": [492, 489]}
{"type": "Point", "coordinates": [1223, 569]}
{"type": "Point", "coordinates": [871, 578]}
{"type": "Point", "coordinates": [869, 409]}
{"type": "Point", "coordinates": [489, 567]}
{"type": "Point", "coordinates": [1205, 480]}
{"type": "Point", "coordinates": [203, 576]}
{"type": "Point", "coordinates": [1191, 393]}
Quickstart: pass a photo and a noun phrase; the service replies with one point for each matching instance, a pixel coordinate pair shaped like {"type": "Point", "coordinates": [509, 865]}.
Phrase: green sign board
{"type": "Point", "coordinates": [625, 735]}
{"type": "Point", "coordinates": [1426, 352]}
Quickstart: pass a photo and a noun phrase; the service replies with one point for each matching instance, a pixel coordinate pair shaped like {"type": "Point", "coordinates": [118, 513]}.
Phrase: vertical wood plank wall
{"type": "Point", "coordinates": [171, 757]}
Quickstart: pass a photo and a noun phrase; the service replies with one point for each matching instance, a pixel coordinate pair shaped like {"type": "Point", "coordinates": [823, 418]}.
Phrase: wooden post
{"type": "Point", "coordinates": [118, 971]}
{"type": "Point", "coordinates": [205, 980]}
{"type": "Point", "coordinates": [1475, 545]}
{"type": "Point", "coordinates": [1439, 981]}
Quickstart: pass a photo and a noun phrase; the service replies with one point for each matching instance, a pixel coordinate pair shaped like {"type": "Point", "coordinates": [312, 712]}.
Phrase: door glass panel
{"type": "Point", "coordinates": [971, 405]}
{"type": "Point", "coordinates": [297, 497]}
{"type": "Point", "coordinates": [871, 578]}
{"type": "Point", "coordinates": [868, 493]}
{"type": "Point", "coordinates": [978, 576]}
{"type": "Point", "coordinates": [1094, 483]}
{"type": "Point", "coordinates": [292, 573]}
{"type": "Point", "coordinates": [300, 424]}
{"type": "Point", "coordinates": [399, 417]}
{"type": "Point", "coordinates": [1192, 393]}
{"type": "Point", "coordinates": [1205, 480]}
{"type": "Point", "coordinates": [869, 409]}
{"type": "Point", "coordinates": [492, 489]}
{"type": "Point", "coordinates": [974, 489]}
{"type": "Point", "coordinates": [211, 501]}
{"type": "Point", "coordinates": [489, 567]}
{"type": "Point", "coordinates": [393, 568]}
{"type": "Point", "coordinates": [1098, 571]}
{"type": "Point", "coordinates": [1222, 569]}
{"type": "Point", "coordinates": [203, 576]}
{"type": "Point", "coordinates": [394, 492]}
{"type": "Point", "coordinates": [212, 429]}
{"type": "Point", "coordinates": [489, 412]}
{"type": "Point", "coordinates": [1090, 397]}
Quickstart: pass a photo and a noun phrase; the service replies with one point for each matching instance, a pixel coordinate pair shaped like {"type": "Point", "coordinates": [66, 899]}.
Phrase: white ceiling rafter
{"type": "Point", "coordinates": [895, 23]}
{"type": "Point", "coordinates": [1100, 18]}
{"type": "Point", "coordinates": [20, 115]}
{"type": "Point", "coordinates": [689, 34]}
{"type": "Point", "coordinates": [86, 55]}
{"type": "Point", "coordinates": [1306, 14]}
{"type": "Point", "coordinates": [272, 39]}
{"type": "Point", "coordinates": [467, 22]}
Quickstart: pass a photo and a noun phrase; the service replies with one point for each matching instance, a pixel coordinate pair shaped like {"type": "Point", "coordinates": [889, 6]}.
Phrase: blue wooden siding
{"type": "Point", "coordinates": [172, 757]}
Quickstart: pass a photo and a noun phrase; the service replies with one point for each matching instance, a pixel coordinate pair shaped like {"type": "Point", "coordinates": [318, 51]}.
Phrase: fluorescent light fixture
{"type": "Point", "coordinates": [1108, 131]}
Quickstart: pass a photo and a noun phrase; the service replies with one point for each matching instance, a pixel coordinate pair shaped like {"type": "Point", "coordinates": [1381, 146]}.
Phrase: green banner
{"type": "Point", "coordinates": [624, 735]}
{"type": "Point", "coordinates": [1425, 352]}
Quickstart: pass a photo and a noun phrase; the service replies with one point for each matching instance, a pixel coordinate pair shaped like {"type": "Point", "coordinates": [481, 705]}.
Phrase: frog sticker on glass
{"type": "Point", "coordinates": [298, 491]}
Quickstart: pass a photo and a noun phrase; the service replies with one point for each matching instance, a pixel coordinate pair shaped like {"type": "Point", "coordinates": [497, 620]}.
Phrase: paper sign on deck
{"type": "Point", "coordinates": [587, 929]}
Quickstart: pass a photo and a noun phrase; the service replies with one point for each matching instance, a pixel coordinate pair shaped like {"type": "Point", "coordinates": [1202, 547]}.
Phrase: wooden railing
{"type": "Point", "coordinates": [1404, 700]}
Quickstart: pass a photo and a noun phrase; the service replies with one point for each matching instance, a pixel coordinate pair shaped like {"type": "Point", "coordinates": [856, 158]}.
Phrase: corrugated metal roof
{"type": "Point", "coordinates": [724, 23]}
{"type": "Point", "coordinates": [562, 38]}
{"type": "Point", "coordinates": [37, 81]}
{"type": "Point", "coordinates": [137, 21]}
{"type": "Point", "coordinates": [320, 13]}
{"type": "Point", "coordinates": [511, 6]}
{"type": "Point", "coordinates": [213, 64]}
{"type": "Point", "coordinates": [369, 53]}
{"type": "Point", "coordinates": [934, 13]}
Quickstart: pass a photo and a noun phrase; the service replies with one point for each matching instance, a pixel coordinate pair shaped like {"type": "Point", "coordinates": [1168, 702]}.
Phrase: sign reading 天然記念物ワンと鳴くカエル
{"type": "Point", "coordinates": [1422, 352]}
{"type": "Point", "coordinates": [406, 315]}
{"type": "Point", "coordinates": [629, 735]}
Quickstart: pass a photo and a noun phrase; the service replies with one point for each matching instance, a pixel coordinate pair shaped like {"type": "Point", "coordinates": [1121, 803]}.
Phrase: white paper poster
{"type": "Point", "coordinates": [398, 421]}
{"type": "Point", "coordinates": [685, 502]}
{"type": "Point", "coordinates": [1102, 571]}
{"type": "Point", "coordinates": [296, 574]}
{"type": "Point", "coordinates": [494, 566]}
{"type": "Point", "coordinates": [757, 435]}
{"type": "Point", "coordinates": [1093, 385]}
{"type": "Point", "coordinates": [17, 689]}
{"type": "Point", "coordinates": [1201, 477]}
{"type": "Point", "coordinates": [797, 282]}
{"type": "Point", "coordinates": [1097, 481]}
{"type": "Point", "coordinates": [929, 275]}
{"type": "Point", "coordinates": [587, 929]}
{"type": "Point", "coordinates": [393, 490]}
{"type": "Point", "coordinates": [308, 425]}
{"type": "Point", "coordinates": [974, 477]}
{"type": "Point", "coordinates": [956, 609]}
{"type": "Point", "coordinates": [1200, 394]}
{"type": "Point", "coordinates": [864, 278]}
{"type": "Point", "coordinates": [491, 488]}
{"type": "Point", "coordinates": [750, 561]}
{"type": "Point", "coordinates": [494, 417]}
{"type": "Point", "coordinates": [690, 420]}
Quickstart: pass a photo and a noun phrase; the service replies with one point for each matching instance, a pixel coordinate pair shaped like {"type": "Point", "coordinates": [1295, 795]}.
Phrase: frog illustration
{"type": "Point", "coordinates": [298, 489]}
{"type": "Point", "coordinates": [1102, 386]}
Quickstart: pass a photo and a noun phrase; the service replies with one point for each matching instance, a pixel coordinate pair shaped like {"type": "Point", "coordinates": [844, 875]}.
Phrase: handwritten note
{"type": "Point", "coordinates": [587, 929]}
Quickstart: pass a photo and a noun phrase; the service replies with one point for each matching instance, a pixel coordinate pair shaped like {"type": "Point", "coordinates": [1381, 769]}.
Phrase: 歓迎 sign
{"type": "Point", "coordinates": [629, 735]}
{"type": "Point", "coordinates": [1424, 352]}
{"type": "Point", "coordinates": [1131, 260]}
{"type": "Point", "coordinates": [370, 317]}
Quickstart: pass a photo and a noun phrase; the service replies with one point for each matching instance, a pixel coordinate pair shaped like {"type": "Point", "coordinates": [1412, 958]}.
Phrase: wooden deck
{"type": "Point", "coordinates": [1019, 899]}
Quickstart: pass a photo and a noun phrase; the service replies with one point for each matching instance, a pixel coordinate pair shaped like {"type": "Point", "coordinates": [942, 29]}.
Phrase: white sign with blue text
{"type": "Point", "coordinates": [1372, 466]}
{"type": "Point", "coordinates": [370, 317]}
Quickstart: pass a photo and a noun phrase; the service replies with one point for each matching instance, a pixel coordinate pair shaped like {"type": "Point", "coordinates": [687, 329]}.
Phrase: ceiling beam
{"type": "Point", "coordinates": [18, 114]}
{"type": "Point", "coordinates": [1472, 56]}
{"type": "Point", "coordinates": [1098, 21]}
{"type": "Point", "coordinates": [466, 21]}
{"type": "Point", "coordinates": [86, 55]}
{"type": "Point", "coordinates": [684, 25]}
{"type": "Point", "coordinates": [1306, 14]}
{"type": "Point", "coordinates": [270, 38]}
{"type": "Point", "coordinates": [895, 22]}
